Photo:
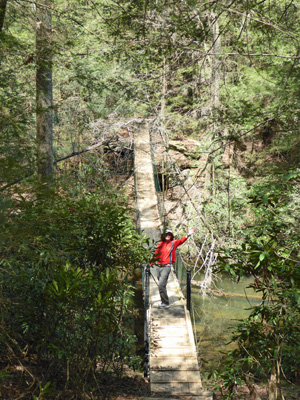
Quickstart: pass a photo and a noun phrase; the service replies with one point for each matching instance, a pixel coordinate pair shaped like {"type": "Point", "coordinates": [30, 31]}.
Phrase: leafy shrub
{"type": "Point", "coordinates": [66, 262]}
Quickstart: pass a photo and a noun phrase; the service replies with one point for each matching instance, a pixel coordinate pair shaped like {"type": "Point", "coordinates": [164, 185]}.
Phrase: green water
{"type": "Point", "coordinates": [215, 314]}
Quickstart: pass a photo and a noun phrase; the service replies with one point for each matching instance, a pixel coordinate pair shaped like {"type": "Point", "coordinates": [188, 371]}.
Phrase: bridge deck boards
{"type": "Point", "coordinates": [174, 366]}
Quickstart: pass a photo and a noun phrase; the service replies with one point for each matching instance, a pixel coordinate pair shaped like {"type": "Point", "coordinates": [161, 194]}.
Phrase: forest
{"type": "Point", "coordinates": [75, 77]}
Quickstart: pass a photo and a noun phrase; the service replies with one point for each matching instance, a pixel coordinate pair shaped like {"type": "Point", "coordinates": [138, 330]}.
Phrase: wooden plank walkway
{"type": "Point", "coordinates": [174, 369]}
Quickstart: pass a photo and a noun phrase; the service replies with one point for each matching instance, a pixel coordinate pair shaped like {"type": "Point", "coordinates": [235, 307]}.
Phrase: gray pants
{"type": "Point", "coordinates": [162, 276]}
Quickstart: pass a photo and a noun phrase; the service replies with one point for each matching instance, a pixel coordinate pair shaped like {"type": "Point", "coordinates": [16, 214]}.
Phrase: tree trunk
{"type": "Point", "coordinates": [44, 124]}
{"type": "Point", "coordinates": [273, 389]}
{"type": "Point", "coordinates": [215, 88]}
{"type": "Point", "coordinates": [163, 103]}
{"type": "Point", "coordinates": [216, 73]}
{"type": "Point", "coordinates": [3, 4]}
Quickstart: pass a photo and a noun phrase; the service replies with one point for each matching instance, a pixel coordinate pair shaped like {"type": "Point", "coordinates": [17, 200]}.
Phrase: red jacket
{"type": "Point", "coordinates": [165, 252]}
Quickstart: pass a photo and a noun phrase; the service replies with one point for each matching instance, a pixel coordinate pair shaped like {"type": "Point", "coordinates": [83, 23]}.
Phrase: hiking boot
{"type": "Point", "coordinates": [163, 305]}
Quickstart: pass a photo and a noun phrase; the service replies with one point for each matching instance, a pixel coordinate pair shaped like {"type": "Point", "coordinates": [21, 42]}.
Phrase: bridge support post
{"type": "Point", "coordinates": [146, 318]}
{"type": "Point", "coordinates": [188, 289]}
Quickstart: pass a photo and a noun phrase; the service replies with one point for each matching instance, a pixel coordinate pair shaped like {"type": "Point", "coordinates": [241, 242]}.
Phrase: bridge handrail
{"type": "Point", "coordinates": [181, 272]}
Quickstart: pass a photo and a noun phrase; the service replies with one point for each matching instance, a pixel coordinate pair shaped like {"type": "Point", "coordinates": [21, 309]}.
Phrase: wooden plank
{"type": "Point", "coordinates": [180, 363]}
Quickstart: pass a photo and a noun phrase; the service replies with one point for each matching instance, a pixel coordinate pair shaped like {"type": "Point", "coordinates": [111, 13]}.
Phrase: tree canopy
{"type": "Point", "coordinates": [74, 74]}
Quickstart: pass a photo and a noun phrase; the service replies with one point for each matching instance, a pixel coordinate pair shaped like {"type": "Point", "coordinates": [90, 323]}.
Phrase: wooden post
{"type": "Point", "coordinates": [188, 289]}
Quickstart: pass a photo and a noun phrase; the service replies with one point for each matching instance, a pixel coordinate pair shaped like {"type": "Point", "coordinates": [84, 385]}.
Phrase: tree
{"type": "Point", "coordinates": [44, 98]}
{"type": "Point", "coordinates": [3, 4]}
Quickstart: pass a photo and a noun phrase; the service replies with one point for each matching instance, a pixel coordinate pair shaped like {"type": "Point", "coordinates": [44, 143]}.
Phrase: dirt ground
{"type": "Point", "coordinates": [135, 387]}
{"type": "Point", "coordinates": [132, 386]}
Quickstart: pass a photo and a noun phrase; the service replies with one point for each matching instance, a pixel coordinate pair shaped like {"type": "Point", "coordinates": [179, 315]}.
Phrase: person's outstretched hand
{"type": "Point", "coordinates": [191, 231]}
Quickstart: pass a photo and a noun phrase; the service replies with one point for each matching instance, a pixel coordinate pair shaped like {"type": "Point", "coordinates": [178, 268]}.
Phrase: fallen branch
{"type": "Point", "coordinates": [77, 153]}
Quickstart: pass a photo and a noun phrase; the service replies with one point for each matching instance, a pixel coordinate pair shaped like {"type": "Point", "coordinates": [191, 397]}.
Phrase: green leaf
{"type": "Point", "coordinates": [55, 286]}
{"type": "Point", "coordinates": [265, 199]}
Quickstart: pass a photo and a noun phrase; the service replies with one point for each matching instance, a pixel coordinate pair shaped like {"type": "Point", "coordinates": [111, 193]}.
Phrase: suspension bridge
{"type": "Point", "coordinates": [170, 352]}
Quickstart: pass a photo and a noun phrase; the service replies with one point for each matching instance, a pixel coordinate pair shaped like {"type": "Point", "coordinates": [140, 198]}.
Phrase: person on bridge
{"type": "Point", "coordinates": [165, 257]}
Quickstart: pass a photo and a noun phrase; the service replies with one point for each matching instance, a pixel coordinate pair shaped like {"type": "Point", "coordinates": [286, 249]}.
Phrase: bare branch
{"type": "Point", "coordinates": [77, 153]}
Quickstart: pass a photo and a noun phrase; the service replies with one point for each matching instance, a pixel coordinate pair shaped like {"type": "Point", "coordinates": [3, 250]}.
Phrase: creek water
{"type": "Point", "coordinates": [216, 313]}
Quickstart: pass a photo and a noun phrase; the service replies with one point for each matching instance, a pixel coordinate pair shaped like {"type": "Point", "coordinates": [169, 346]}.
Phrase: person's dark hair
{"type": "Point", "coordinates": [167, 232]}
